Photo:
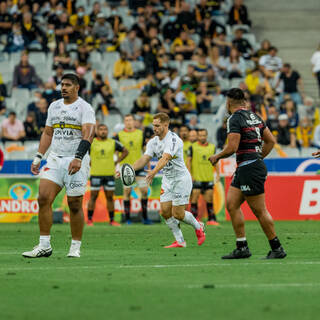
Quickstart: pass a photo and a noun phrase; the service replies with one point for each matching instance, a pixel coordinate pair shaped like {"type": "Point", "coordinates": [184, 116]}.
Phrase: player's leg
{"type": "Point", "coordinates": [258, 206]}
{"type": "Point", "coordinates": [76, 224]}
{"type": "Point", "coordinates": [173, 224]}
{"type": "Point", "coordinates": [109, 187]}
{"type": "Point", "coordinates": [75, 188]}
{"type": "Point", "coordinates": [194, 200]}
{"type": "Point", "coordinates": [234, 200]}
{"type": "Point", "coordinates": [181, 193]}
{"type": "Point", "coordinates": [91, 204]}
{"type": "Point", "coordinates": [48, 191]}
{"type": "Point", "coordinates": [110, 206]}
{"type": "Point", "coordinates": [143, 187]}
{"type": "Point", "coordinates": [126, 203]}
{"type": "Point", "coordinates": [95, 185]}
{"type": "Point", "coordinates": [252, 180]}
{"type": "Point", "coordinates": [208, 198]}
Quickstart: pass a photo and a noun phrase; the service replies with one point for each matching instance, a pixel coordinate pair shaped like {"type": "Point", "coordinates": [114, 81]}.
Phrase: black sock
{"type": "Point", "coordinates": [144, 206]}
{"type": "Point", "coordinates": [126, 204]}
{"type": "Point", "coordinates": [211, 215]}
{"type": "Point", "coordinates": [194, 209]}
{"type": "Point", "coordinates": [111, 215]}
{"type": "Point", "coordinates": [275, 243]}
{"type": "Point", "coordinates": [242, 244]}
{"type": "Point", "coordinates": [90, 214]}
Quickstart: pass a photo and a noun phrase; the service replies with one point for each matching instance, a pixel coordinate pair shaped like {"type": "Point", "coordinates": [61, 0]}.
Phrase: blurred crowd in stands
{"type": "Point", "coordinates": [145, 56]}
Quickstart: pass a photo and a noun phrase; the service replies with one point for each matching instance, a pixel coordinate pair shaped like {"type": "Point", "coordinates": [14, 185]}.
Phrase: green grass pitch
{"type": "Point", "coordinates": [124, 273]}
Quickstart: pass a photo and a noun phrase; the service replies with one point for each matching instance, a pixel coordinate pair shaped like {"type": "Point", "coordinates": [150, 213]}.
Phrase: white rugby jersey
{"type": "Point", "coordinates": [66, 121]}
{"type": "Point", "coordinates": [172, 145]}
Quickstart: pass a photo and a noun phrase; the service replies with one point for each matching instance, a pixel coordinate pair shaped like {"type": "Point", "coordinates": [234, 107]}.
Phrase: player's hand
{"type": "Point", "coordinates": [117, 175]}
{"type": "Point", "coordinates": [35, 168]}
{"type": "Point", "coordinates": [213, 159]}
{"type": "Point", "coordinates": [74, 166]}
{"type": "Point", "coordinates": [150, 177]}
{"type": "Point", "coordinates": [316, 154]}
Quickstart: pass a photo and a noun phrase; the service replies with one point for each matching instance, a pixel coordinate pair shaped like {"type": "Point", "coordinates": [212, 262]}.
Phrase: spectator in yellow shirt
{"type": "Point", "coordinates": [304, 133]}
{"type": "Point", "coordinates": [122, 68]}
{"type": "Point", "coordinates": [253, 82]}
{"type": "Point", "coordinates": [187, 99]}
{"type": "Point", "coordinates": [183, 47]}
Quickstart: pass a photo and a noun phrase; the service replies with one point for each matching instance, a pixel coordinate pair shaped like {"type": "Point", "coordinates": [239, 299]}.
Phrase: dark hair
{"type": "Point", "coordinates": [72, 77]}
{"type": "Point", "coordinates": [287, 65]}
{"type": "Point", "coordinates": [184, 126]}
{"type": "Point", "coordinates": [236, 94]}
{"type": "Point", "coordinates": [102, 125]}
{"type": "Point", "coordinates": [272, 48]}
{"type": "Point", "coordinates": [203, 129]}
{"type": "Point", "coordinates": [12, 113]}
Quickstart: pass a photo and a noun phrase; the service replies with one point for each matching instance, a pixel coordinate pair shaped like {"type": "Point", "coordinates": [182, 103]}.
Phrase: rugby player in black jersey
{"type": "Point", "coordinates": [252, 141]}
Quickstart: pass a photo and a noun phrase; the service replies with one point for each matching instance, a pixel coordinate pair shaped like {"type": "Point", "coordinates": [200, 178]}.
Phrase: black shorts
{"type": "Point", "coordinates": [250, 178]}
{"type": "Point", "coordinates": [203, 186]}
{"type": "Point", "coordinates": [141, 173]}
{"type": "Point", "coordinates": [107, 182]}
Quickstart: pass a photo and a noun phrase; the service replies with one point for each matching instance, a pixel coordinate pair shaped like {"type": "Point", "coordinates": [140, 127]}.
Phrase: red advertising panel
{"type": "Point", "coordinates": [289, 198]}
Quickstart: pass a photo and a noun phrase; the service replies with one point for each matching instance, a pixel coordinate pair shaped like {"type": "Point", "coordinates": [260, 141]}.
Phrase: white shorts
{"type": "Point", "coordinates": [56, 170]}
{"type": "Point", "coordinates": [177, 190]}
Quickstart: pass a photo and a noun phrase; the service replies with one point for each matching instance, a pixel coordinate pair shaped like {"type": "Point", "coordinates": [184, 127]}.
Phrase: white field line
{"type": "Point", "coordinates": [157, 266]}
{"type": "Point", "coordinates": [255, 285]}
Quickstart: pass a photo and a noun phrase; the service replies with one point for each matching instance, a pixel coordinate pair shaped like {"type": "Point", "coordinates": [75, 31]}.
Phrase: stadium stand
{"type": "Point", "coordinates": [121, 49]}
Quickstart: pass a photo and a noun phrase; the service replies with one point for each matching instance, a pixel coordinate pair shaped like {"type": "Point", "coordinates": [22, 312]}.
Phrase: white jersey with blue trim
{"type": "Point", "coordinates": [172, 145]}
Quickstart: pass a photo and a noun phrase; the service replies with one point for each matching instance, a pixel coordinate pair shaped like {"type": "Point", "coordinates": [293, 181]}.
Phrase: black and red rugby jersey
{"type": "Point", "coordinates": [251, 127]}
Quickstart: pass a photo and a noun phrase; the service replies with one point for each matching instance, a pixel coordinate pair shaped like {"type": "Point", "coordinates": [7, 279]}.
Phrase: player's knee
{"type": "Point", "coordinates": [44, 199]}
{"type": "Point", "coordinates": [74, 204]}
{"type": "Point", "coordinates": [259, 212]}
{"type": "Point", "coordinates": [231, 207]}
{"type": "Point", "coordinates": [178, 214]}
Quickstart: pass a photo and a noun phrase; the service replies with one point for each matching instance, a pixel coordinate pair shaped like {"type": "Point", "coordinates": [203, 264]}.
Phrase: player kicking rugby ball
{"type": "Point", "coordinates": [176, 182]}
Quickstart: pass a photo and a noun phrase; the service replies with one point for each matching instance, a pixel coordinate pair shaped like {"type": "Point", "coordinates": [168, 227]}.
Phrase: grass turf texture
{"type": "Point", "coordinates": [124, 273]}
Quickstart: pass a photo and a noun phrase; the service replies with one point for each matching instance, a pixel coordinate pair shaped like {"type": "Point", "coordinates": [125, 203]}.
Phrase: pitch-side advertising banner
{"type": "Point", "coordinates": [289, 198]}
{"type": "Point", "coordinates": [18, 200]}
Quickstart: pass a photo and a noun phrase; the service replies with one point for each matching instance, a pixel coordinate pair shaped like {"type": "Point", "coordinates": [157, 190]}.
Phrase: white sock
{"type": "Point", "coordinates": [173, 225]}
{"type": "Point", "coordinates": [190, 219]}
{"type": "Point", "coordinates": [242, 239]}
{"type": "Point", "coordinates": [44, 241]}
{"type": "Point", "coordinates": [76, 243]}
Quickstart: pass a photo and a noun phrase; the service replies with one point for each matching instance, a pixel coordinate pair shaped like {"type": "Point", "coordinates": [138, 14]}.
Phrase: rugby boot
{"type": "Point", "coordinates": [177, 244]}
{"type": "Point", "coordinates": [278, 253]}
{"type": "Point", "coordinates": [38, 252]}
{"type": "Point", "coordinates": [239, 253]}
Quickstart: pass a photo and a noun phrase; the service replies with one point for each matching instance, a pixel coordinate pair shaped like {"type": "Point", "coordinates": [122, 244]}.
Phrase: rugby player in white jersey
{"type": "Point", "coordinates": [69, 132]}
{"type": "Point", "coordinates": [176, 182]}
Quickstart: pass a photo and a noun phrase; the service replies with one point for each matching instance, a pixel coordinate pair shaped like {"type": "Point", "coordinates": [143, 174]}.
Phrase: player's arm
{"type": "Point", "coordinates": [166, 157]}
{"type": "Point", "coordinates": [44, 145]}
{"type": "Point", "coordinates": [120, 148]}
{"type": "Point", "coordinates": [231, 147]}
{"type": "Point", "coordinates": [189, 159]}
{"type": "Point", "coordinates": [142, 162]}
{"type": "Point", "coordinates": [88, 132]}
{"type": "Point", "coordinates": [123, 155]}
{"type": "Point", "coordinates": [268, 142]}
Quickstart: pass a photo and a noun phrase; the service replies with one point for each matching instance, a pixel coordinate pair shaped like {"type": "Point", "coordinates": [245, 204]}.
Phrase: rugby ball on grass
{"type": "Point", "coordinates": [128, 175]}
